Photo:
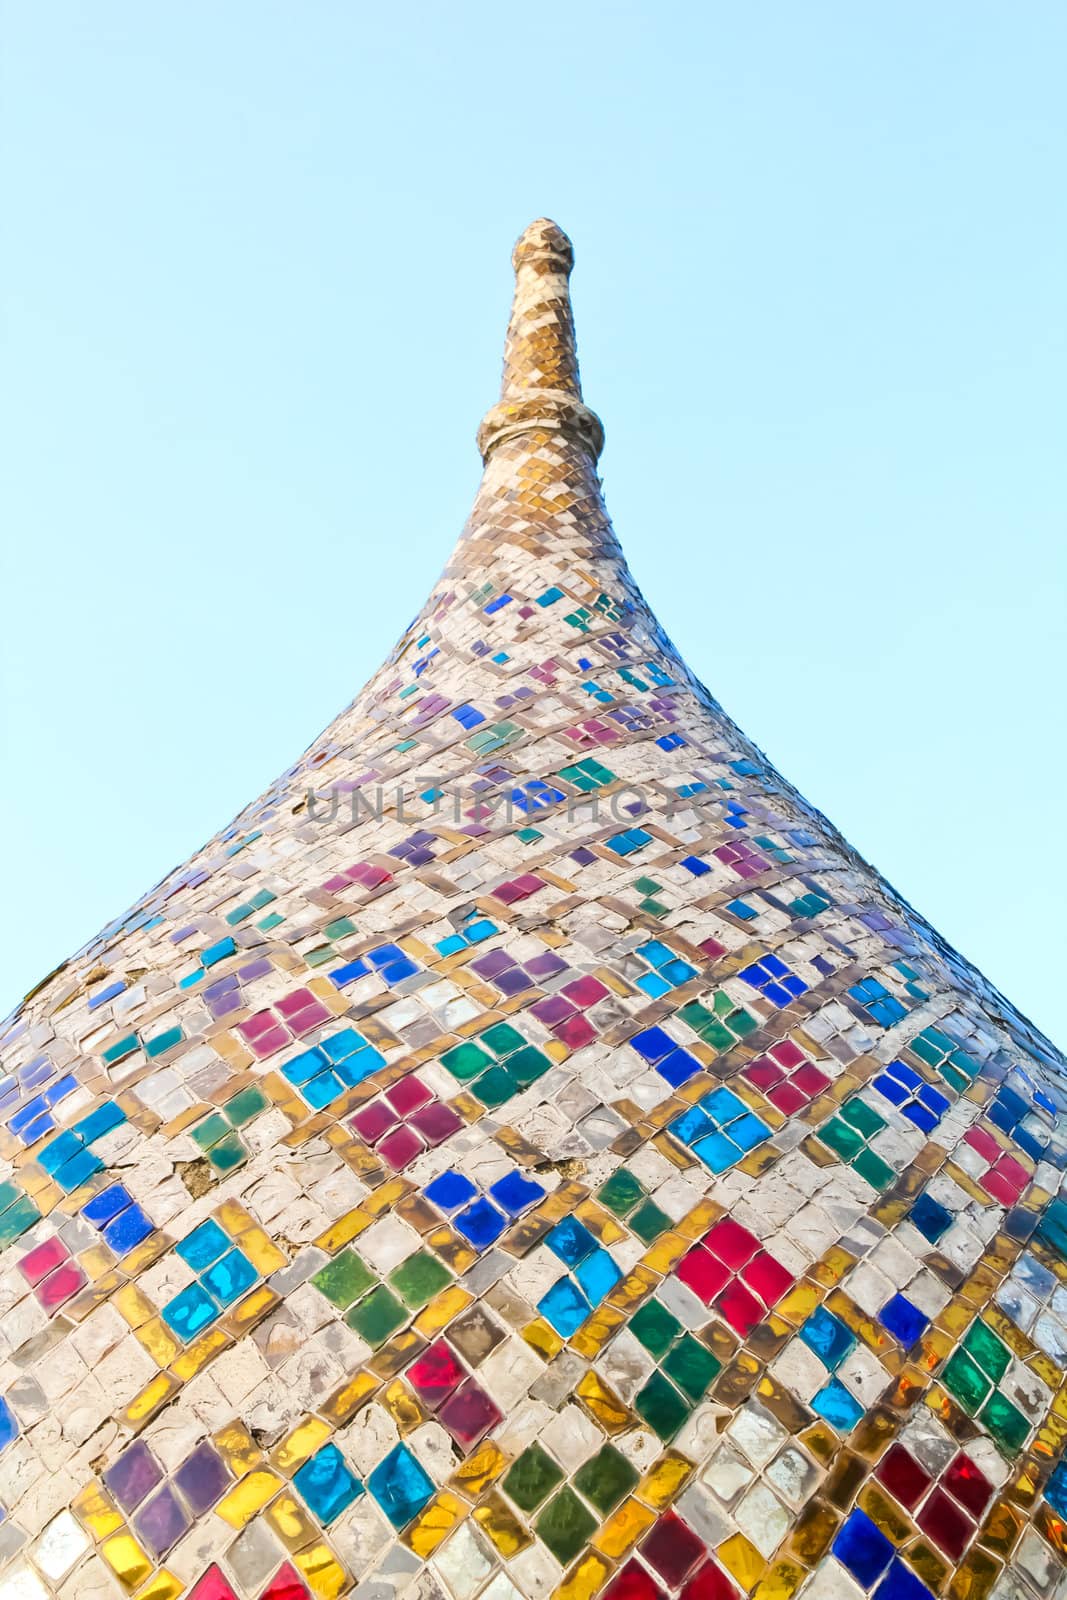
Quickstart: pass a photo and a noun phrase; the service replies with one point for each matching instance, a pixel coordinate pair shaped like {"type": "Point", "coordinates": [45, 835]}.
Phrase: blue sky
{"type": "Point", "coordinates": [256, 281]}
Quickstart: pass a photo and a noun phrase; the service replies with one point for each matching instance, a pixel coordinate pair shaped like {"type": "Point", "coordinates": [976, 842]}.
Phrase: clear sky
{"type": "Point", "coordinates": [256, 282]}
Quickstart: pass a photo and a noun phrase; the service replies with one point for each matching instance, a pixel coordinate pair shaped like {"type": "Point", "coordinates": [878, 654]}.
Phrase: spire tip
{"type": "Point", "coordinates": [543, 240]}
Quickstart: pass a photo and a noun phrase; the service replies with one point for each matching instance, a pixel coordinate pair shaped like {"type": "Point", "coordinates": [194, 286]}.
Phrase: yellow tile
{"type": "Point", "coordinates": [234, 1218]}
{"type": "Point", "coordinates": [479, 1470]}
{"type": "Point", "coordinates": [742, 1560]}
{"type": "Point", "coordinates": [543, 1338]}
{"type": "Point", "coordinates": [154, 1395]}
{"type": "Point", "coordinates": [604, 1406]}
{"type": "Point", "coordinates": [595, 1332]}
{"type": "Point", "coordinates": [501, 1526]}
{"type": "Point", "coordinates": [782, 1581]}
{"type": "Point", "coordinates": [238, 1447]}
{"type": "Point", "coordinates": [301, 1443]}
{"type": "Point", "coordinates": [164, 1586]}
{"type": "Point", "coordinates": [262, 1252]}
{"type": "Point", "coordinates": [126, 1559]}
{"type": "Point", "coordinates": [131, 1304]}
{"type": "Point", "coordinates": [623, 1528]}
{"type": "Point", "coordinates": [290, 1521]}
{"type": "Point", "coordinates": [248, 1497]}
{"type": "Point", "coordinates": [346, 1401]}
{"type": "Point", "coordinates": [199, 1353]}
{"type": "Point", "coordinates": [664, 1479]}
{"type": "Point", "coordinates": [435, 1523]}
{"type": "Point", "coordinates": [252, 1309]}
{"type": "Point", "coordinates": [321, 1571]}
{"type": "Point", "coordinates": [442, 1309]}
{"type": "Point", "coordinates": [587, 1576]}
{"type": "Point", "coordinates": [402, 1406]}
{"type": "Point", "coordinates": [344, 1230]}
{"type": "Point", "coordinates": [158, 1340]}
{"type": "Point", "coordinates": [95, 1511]}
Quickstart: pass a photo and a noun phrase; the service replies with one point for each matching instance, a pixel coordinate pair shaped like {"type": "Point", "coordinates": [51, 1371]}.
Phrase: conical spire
{"type": "Point", "coordinates": [541, 386]}
{"type": "Point", "coordinates": [528, 1152]}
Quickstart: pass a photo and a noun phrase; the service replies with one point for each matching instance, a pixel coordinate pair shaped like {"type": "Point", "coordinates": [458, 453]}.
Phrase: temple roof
{"type": "Point", "coordinates": [528, 1149]}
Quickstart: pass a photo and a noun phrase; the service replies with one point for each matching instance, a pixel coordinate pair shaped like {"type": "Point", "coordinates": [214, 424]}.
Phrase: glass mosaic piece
{"type": "Point", "coordinates": [528, 1154]}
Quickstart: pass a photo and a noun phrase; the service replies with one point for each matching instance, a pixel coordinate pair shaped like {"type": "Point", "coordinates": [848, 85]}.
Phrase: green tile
{"type": "Point", "coordinates": [655, 1327]}
{"type": "Point", "coordinates": [527, 1065]}
{"type": "Point", "coordinates": [531, 1478]}
{"type": "Point", "coordinates": [343, 1279]}
{"type": "Point", "coordinates": [211, 1130]}
{"type": "Point", "coordinates": [494, 1087]}
{"type": "Point", "coordinates": [376, 1317]}
{"type": "Point", "coordinates": [246, 1105]}
{"type": "Point", "coordinates": [1009, 1428]}
{"type": "Point", "coordinates": [419, 1279]}
{"type": "Point", "coordinates": [227, 1153]}
{"type": "Point", "coordinates": [966, 1381]}
{"type": "Point", "coordinates": [841, 1139]}
{"type": "Point", "coordinates": [466, 1060]}
{"type": "Point", "coordinates": [621, 1193]}
{"type": "Point", "coordinates": [648, 1222]}
{"type": "Point", "coordinates": [991, 1355]}
{"type": "Point", "coordinates": [692, 1366]}
{"type": "Point", "coordinates": [878, 1173]}
{"type": "Point", "coordinates": [605, 1479]}
{"type": "Point", "coordinates": [502, 1039]}
{"type": "Point", "coordinates": [565, 1525]}
{"type": "Point", "coordinates": [858, 1114]}
{"type": "Point", "coordinates": [662, 1407]}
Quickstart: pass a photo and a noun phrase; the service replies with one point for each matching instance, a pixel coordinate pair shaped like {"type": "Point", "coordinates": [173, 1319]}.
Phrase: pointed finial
{"type": "Point", "coordinates": [541, 388]}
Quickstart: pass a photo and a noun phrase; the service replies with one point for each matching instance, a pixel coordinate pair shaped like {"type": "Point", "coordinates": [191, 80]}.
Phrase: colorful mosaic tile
{"type": "Point", "coordinates": [528, 1153]}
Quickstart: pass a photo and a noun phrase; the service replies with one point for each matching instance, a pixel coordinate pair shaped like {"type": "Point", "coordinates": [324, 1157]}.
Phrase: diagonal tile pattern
{"type": "Point", "coordinates": [528, 1152]}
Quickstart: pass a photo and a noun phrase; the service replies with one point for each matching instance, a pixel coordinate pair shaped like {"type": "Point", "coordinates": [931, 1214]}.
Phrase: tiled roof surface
{"type": "Point", "coordinates": [528, 1152]}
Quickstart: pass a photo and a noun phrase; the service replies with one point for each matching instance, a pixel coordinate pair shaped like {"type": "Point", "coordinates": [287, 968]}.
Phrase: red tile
{"type": "Point", "coordinates": [788, 1098]}
{"type": "Point", "coordinates": [810, 1080]}
{"type": "Point", "coordinates": [731, 1243]}
{"type": "Point", "coordinates": [702, 1272]}
{"type": "Point", "coordinates": [42, 1260]}
{"type": "Point", "coordinates": [632, 1582]}
{"type": "Point", "coordinates": [58, 1287]}
{"type": "Point", "coordinates": [469, 1414]}
{"type": "Point", "coordinates": [741, 1308]}
{"type": "Point", "coordinates": [585, 991]}
{"type": "Point", "coordinates": [374, 1120]}
{"type": "Point", "coordinates": [789, 1054]}
{"type": "Point", "coordinates": [983, 1142]}
{"type": "Point", "coordinates": [946, 1524]}
{"type": "Point", "coordinates": [575, 1032]}
{"type": "Point", "coordinates": [400, 1147]}
{"type": "Point", "coordinates": [435, 1374]}
{"type": "Point", "coordinates": [672, 1549]}
{"type": "Point", "coordinates": [213, 1586]}
{"type": "Point", "coordinates": [764, 1073]}
{"type": "Point", "coordinates": [968, 1484]}
{"type": "Point", "coordinates": [709, 1582]}
{"type": "Point", "coordinates": [408, 1095]}
{"type": "Point", "coordinates": [436, 1122]}
{"type": "Point", "coordinates": [767, 1277]}
{"type": "Point", "coordinates": [905, 1478]}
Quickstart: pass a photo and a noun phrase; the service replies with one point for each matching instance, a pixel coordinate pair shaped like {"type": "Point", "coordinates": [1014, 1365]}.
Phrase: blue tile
{"type": "Point", "coordinates": [400, 1486]}
{"type": "Point", "coordinates": [326, 1483]}
{"type": "Point", "coordinates": [203, 1246]}
{"type": "Point", "coordinates": [565, 1307]}
{"type": "Point", "coordinates": [229, 1278]}
{"type": "Point", "coordinates": [863, 1549]}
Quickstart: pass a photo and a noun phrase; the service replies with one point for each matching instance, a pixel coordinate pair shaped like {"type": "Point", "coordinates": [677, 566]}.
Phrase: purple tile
{"type": "Point", "coordinates": [203, 1478]}
{"type": "Point", "coordinates": [133, 1475]}
{"type": "Point", "coordinates": [161, 1522]}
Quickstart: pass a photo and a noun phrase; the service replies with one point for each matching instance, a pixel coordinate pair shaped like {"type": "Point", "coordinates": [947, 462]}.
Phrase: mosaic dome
{"type": "Point", "coordinates": [528, 1152]}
